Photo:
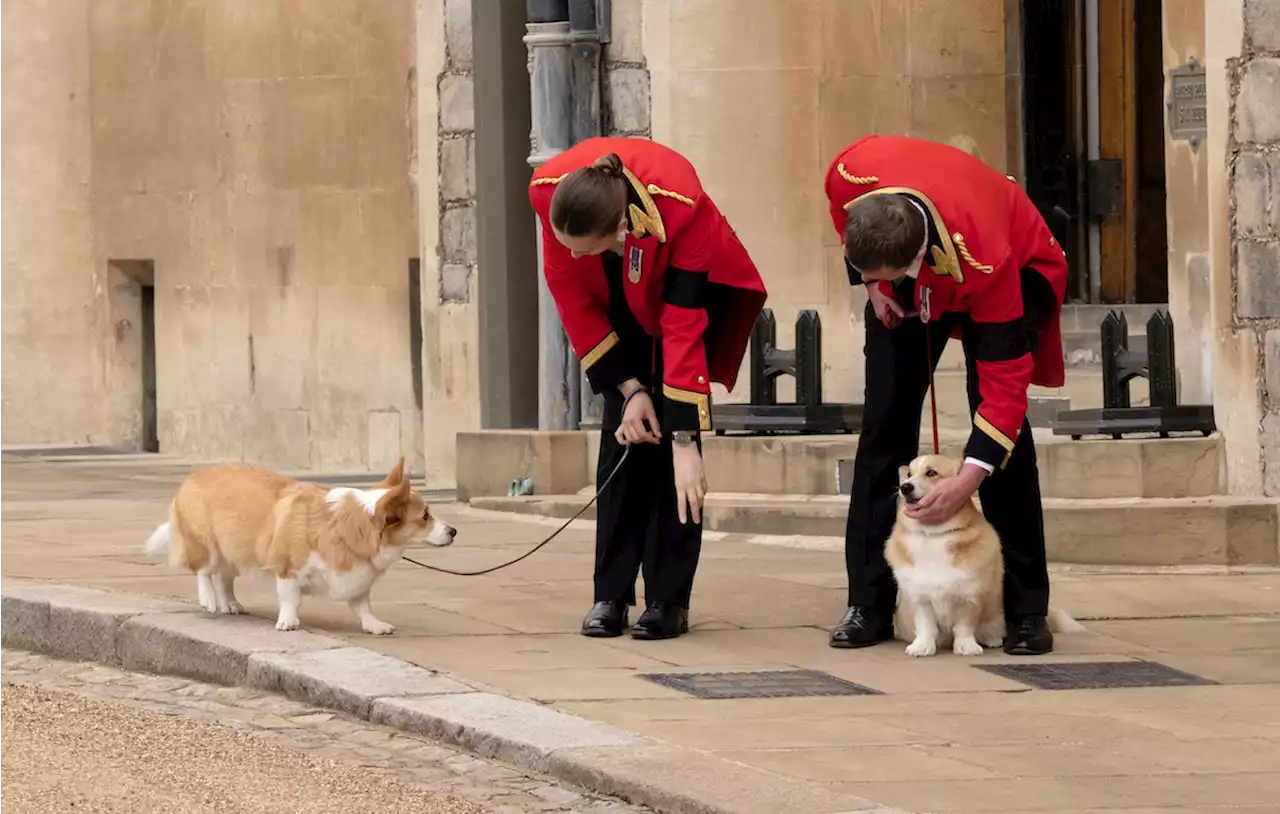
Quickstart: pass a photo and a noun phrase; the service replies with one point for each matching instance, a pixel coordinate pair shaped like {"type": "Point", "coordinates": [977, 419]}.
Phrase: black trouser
{"type": "Point", "coordinates": [637, 527]}
{"type": "Point", "coordinates": [636, 522]}
{"type": "Point", "coordinates": [897, 377]}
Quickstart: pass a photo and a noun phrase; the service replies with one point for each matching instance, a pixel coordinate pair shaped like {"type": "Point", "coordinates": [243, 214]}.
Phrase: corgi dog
{"type": "Point", "coordinates": [950, 576]}
{"type": "Point", "coordinates": [230, 519]}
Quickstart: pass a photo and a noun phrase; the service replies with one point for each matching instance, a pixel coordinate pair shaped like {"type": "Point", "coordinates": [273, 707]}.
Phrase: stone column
{"type": "Point", "coordinates": [550, 70]}
{"type": "Point", "coordinates": [1242, 49]}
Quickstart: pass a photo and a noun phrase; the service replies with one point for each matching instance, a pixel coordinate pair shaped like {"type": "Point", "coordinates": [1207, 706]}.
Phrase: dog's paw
{"type": "Point", "coordinates": [920, 648]}
{"type": "Point", "coordinates": [288, 623]}
{"type": "Point", "coordinates": [209, 606]}
{"type": "Point", "coordinates": [234, 608]}
{"type": "Point", "coordinates": [966, 647]}
{"type": "Point", "coordinates": [991, 641]}
{"type": "Point", "coordinates": [378, 627]}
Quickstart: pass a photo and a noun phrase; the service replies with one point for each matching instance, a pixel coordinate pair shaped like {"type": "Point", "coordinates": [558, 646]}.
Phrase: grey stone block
{"type": "Point", "coordinates": [1251, 188]}
{"type": "Point", "coordinates": [455, 283]}
{"type": "Point", "coordinates": [213, 649]}
{"type": "Point", "coordinates": [457, 168]}
{"type": "Point", "coordinates": [458, 228]}
{"type": "Point", "coordinates": [457, 32]}
{"type": "Point", "coordinates": [1262, 22]}
{"type": "Point", "coordinates": [1258, 278]}
{"type": "Point", "coordinates": [629, 100]}
{"type": "Point", "coordinates": [71, 622]}
{"type": "Point", "coordinates": [1271, 366]}
{"type": "Point", "coordinates": [496, 726]}
{"type": "Point", "coordinates": [457, 104]}
{"type": "Point", "coordinates": [345, 678]}
{"type": "Point", "coordinates": [1257, 114]}
{"type": "Point", "coordinates": [673, 779]}
{"type": "Point", "coordinates": [1269, 438]}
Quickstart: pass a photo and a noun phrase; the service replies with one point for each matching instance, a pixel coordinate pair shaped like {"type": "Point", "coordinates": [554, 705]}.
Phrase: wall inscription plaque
{"type": "Point", "coordinates": [1188, 107]}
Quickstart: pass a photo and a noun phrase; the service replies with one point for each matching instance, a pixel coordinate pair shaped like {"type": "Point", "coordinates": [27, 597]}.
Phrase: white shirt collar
{"type": "Point", "coordinates": [913, 271]}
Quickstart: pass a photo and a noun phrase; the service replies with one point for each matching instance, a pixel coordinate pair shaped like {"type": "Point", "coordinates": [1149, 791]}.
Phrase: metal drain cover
{"type": "Point", "coordinates": [1095, 675]}
{"type": "Point", "coordinates": [764, 684]}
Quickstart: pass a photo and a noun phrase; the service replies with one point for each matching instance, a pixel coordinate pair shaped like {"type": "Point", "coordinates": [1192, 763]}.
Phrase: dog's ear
{"type": "Point", "coordinates": [396, 475]}
{"type": "Point", "coordinates": [392, 507]}
{"type": "Point", "coordinates": [904, 473]}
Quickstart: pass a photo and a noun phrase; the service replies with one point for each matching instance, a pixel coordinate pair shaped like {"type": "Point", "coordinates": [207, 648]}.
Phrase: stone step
{"type": "Point", "coordinates": [1106, 531]}
{"type": "Point", "coordinates": [1103, 468]}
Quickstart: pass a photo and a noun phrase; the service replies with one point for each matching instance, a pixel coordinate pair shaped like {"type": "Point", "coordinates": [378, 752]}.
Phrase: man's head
{"type": "Point", "coordinates": [883, 236]}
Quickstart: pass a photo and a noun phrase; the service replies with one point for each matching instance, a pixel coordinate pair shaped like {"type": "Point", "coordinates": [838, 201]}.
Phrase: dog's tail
{"type": "Point", "coordinates": [1061, 622]}
{"type": "Point", "coordinates": [160, 540]}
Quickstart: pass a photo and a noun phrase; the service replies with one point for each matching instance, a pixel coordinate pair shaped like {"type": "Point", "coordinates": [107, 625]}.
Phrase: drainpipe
{"type": "Point", "coordinates": [551, 108]}
{"type": "Point", "coordinates": [584, 77]}
{"type": "Point", "coordinates": [565, 77]}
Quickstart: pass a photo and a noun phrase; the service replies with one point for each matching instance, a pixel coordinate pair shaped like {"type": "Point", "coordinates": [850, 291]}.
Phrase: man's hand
{"type": "Point", "coordinates": [633, 429]}
{"type": "Point", "coordinates": [946, 498]}
{"type": "Point", "coordinates": [887, 310]}
{"type": "Point", "coordinates": [691, 481]}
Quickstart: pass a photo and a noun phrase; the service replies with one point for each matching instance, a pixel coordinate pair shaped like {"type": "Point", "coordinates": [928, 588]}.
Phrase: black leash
{"type": "Point", "coordinates": [625, 452]}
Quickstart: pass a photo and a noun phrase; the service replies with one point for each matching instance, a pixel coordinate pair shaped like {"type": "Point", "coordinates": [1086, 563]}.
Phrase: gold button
{"type": "Point", "coordinates": [702, 413]}
{"type": "Point", "coordinates": [701, 380]}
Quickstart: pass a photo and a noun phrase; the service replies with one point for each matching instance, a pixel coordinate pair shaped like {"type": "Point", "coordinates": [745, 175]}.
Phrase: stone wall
{"type": "Point", "coordinates": [626, 77]}
{"type": "Point", "coordinates": [445, 181]}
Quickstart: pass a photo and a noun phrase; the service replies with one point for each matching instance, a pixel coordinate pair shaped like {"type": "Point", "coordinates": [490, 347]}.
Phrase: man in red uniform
{"type": "Point", "coordinates": [656, 293]}
{"type": "Point", "coordinates": [934, 231]}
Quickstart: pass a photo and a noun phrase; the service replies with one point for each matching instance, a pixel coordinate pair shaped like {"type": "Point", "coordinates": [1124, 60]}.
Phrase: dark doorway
{"type": "Point", "coordinates": [1053, 105]}
{"type": "Point", "coordinates": [132, 301]}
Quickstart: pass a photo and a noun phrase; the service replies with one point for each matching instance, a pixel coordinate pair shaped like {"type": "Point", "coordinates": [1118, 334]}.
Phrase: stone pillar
{"type": "Point", "coordinates": [550, 70]}
{"type": "Point", "coordinates": [1242, 45]}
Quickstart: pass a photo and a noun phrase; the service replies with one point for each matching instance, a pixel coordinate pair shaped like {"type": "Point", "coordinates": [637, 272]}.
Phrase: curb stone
{"type": "Point", "coordinates": [161, 636]}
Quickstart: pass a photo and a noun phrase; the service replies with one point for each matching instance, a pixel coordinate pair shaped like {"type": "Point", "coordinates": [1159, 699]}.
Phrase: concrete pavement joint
{"type": "Point", "coordinates": [171, 638]}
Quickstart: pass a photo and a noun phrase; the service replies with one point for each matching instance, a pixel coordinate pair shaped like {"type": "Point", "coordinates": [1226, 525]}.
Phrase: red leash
{"type": "Point", "coordinates": [925, 316]}
{"type": "Point", "coordinates": [933, 392]}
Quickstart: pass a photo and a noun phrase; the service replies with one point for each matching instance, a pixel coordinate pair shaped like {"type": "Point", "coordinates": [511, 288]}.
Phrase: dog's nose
{"type": "Point", "coordinates": [907, 488]}
{"type": "Point", "coordinates": [451, 531]}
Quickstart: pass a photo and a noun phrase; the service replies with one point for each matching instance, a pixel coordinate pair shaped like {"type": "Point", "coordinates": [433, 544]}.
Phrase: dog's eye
{"type": "Point", "coordinates": [931, 474]}
{"type": "Point", "coordinates": [426, 514]}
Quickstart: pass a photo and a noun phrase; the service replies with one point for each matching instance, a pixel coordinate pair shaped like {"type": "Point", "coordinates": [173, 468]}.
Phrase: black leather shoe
{"type": "Point", "coordinates": [605, 620]}
{"type": "Point", "coordinates": [1028, 636]}
{"type": "Point", "coordinates": [661, 620]}
{"type": "Point", "coordinates": [861, 627]}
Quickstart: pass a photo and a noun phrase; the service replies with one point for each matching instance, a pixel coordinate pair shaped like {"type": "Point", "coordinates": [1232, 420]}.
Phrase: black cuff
{"type": "Point", "coordinates": [605, 365]}
{"type": "Point", "coordinates": [988, 444]}
{"type": "Point", "coordinates": [685, 410]}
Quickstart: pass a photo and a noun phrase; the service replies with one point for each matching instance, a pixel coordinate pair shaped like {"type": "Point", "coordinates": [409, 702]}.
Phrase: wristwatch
{"type": "Point", "coordinates": [683, 438]}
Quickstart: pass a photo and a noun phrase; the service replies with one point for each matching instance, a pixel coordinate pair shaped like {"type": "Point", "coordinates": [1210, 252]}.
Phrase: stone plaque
{"type": "Point", "coordinates": [1188, 108]}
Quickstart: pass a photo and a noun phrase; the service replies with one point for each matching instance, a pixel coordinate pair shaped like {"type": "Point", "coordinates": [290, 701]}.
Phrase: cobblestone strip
{"type": "Point", "coordinates": [413, 760]}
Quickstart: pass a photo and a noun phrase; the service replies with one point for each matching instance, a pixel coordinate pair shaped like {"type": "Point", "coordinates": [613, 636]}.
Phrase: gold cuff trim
{"type": "Point", "coordinates": [855, 179]}
{"type": "Point", "coordinates": [647, 221]}
{"type": "Point", "coordinates": [990, 429]}
{"type": "Point", "coordinates": [540, 181]}
{"type": "Point", "coordinates": [700, 400]}
{"type": "Point", "coordinates": [597, 353]}
{"type": "Point", "coordinates": [943, 258]}
{"type": "Point", "coordinates": [666, 193]}
{"type": "Point", "coordinates": [964, 252]}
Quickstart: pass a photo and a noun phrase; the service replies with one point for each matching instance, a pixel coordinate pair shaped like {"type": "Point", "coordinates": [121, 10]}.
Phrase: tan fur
{"type": "Point", "coordinates": [953, 572]}
{"type": "Point", "coordinates": [230, 519]}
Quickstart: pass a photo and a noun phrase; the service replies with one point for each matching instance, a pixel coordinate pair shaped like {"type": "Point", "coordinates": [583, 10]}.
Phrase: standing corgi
{"type": "Point", "coordinates": [232, 518]}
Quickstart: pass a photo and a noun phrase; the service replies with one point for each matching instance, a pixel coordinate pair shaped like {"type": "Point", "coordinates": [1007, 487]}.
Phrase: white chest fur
{"type": "Point", "coordinates": [317, 577]}
{"type": "Point", "coordinates": [933, 577]}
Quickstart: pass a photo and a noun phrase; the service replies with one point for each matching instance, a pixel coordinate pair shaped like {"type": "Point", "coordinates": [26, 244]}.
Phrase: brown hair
{"type": "Point", "coordinates": [589, 202]}
{"type": "Point", "coordinates": [883, 231]}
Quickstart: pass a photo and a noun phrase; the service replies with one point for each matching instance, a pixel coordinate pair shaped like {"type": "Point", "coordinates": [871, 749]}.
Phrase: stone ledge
{"type": "Point", "coordinates": [349, 679]}
{"type": "Point", "coordinates": [325, 672]}
{"type": "Point", "coordinates": [213, 649]}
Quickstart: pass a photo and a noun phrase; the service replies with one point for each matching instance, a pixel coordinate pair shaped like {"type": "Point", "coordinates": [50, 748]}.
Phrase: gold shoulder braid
{"type": "Point", "coordinates": [855, 179]}
{"type": "Point", "coordinates": [540, 181]}
{"type": "Point", "coordinates": [964, 252]}
{"type": "Point", "coordinates": [654, 189]}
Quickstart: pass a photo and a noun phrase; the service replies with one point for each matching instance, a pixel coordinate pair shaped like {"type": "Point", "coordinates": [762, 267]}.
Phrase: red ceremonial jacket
{"type": "Point", "coordinates": [680, 255]}
{"type": "Point", "coordinates": [983, 233]}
